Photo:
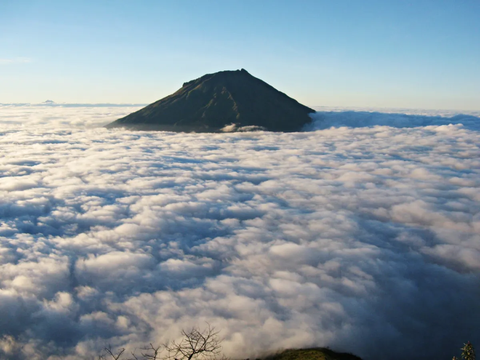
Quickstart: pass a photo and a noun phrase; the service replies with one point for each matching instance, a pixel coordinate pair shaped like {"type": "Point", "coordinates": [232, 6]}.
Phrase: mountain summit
{"type": "Point", "coordinates": [223, 101]}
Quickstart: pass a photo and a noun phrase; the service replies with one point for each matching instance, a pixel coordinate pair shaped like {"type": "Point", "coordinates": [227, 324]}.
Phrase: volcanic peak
{"type": "Point", "coordinates": [228, 100]}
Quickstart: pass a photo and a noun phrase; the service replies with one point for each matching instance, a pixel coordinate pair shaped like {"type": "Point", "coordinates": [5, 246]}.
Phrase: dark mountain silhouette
{"type": "Point", "coordinates": [215, 102]}
{"type": "Point", "coordinates": [311, 354]}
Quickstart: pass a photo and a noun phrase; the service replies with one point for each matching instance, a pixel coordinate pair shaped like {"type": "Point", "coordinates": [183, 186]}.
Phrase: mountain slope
{"type": "Point", "coordinates": [214, 101]}
{"type": "Point", "coordinates": [311, 354]}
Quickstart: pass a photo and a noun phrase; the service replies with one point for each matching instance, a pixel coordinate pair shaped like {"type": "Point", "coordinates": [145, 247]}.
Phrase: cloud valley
{"type": "Point", "coordinates": [355, 235]}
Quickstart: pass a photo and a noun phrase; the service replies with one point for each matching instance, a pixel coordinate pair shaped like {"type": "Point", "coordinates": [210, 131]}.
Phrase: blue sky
{"type": "Point", "coordinates": [411, 54]}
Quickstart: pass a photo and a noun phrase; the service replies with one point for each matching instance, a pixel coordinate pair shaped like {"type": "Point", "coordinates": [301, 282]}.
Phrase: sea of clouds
{"type": "Point", "coordinates": [362, 234]}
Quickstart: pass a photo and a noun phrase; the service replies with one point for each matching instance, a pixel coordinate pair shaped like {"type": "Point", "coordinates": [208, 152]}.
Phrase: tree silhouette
{"type": "Point", "coordinates": [149, 353]}
{"type": "Point", "coordinates": [468, 352]}
{"type": "Point", "coordinates": [201, 344]}
{"type": "Point", "coordinates": [110, 354]}
{"type": "Point", "coordinates": [196, 343]}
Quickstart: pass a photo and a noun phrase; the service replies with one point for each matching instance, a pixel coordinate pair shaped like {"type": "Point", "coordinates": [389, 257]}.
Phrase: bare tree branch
{"type": "Point", "coordinates": [151, 352]}
{"type": "Point", "coordinates": [110, 352]}
{"type": "Point", "coordinates": [196, 344]}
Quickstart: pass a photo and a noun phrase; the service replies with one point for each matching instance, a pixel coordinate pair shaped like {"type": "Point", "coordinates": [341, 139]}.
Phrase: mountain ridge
{"type": "Point", "coordinates": [316, 353]}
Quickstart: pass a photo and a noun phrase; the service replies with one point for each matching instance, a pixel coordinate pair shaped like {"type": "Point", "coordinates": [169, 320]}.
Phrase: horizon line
{"type": "Point", "coordinates": [315, 107]}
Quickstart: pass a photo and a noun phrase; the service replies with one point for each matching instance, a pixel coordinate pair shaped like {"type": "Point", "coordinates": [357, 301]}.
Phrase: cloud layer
{"type": "Point", "coordinates": [365, 239]}
{"type": "Point", "coordinates": [17, 60]}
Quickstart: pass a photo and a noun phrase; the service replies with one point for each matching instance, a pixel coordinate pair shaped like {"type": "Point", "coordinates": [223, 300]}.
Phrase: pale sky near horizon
{"type": "Point", "coordinates": [371, 53]}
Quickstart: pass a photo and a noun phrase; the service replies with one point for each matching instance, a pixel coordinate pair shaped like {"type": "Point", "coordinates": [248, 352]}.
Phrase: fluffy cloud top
{"type": "Point", "coordinates": [363, 237]}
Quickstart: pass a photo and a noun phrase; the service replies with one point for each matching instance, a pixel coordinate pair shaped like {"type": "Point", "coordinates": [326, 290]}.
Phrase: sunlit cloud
{"type": "Point", "coordinates": [356, 235]}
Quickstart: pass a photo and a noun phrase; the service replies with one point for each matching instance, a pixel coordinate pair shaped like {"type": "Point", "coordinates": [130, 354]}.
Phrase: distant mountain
{"type": "Point", "coordinates": [223, 101]}
{"type": "Point", "coordinates": [311, 354]}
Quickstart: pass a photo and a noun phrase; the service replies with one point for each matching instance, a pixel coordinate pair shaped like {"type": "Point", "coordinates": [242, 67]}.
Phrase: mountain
{"type": "Point", "coordinates": [223, 101]}
{"type": "Point", "coordinates": [311, 354]}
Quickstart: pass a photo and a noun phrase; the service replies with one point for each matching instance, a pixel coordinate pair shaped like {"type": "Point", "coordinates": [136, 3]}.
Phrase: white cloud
{"type": "Point", "coordinates": [17, 60]}
{"type": "Point", "coordinates": [363, 238]}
